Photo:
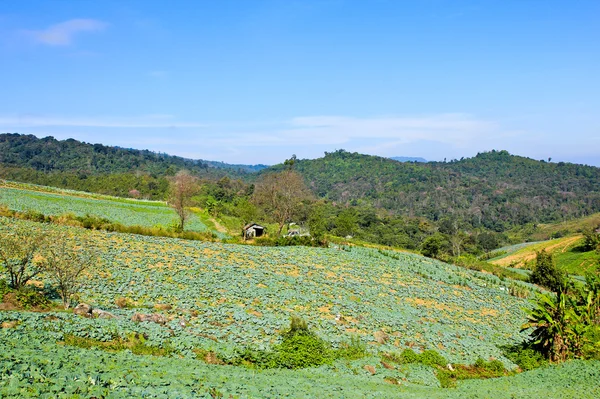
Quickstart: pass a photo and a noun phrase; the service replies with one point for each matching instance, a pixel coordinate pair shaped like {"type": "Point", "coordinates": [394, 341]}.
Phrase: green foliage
{"type": "Point", "coordinates": [525, 356]}
{"type": "Point", "coordinates": [432, 358]}
{"type": "Point", "coordinates": [591, 240]}
{"type": "Point", "coordinates": [567, 325]}
{"type": "Point", "coordinates": [546, 274]}
{"type": "Point", "coordinates": [301, 349]}
{"type": "Point", "coordinates": [479, 370]}
{"type": "Point", "coordinates": [429, 358]}
{"type": "Point", "coordinates": [136, 343]}
{"type": "Point", "coordinates": [306, 241]}
{"type": "Point", "coordinates": [434, 245]}
{"type": "Point", "coordinates": [30, 297]}
{"type": "Point", "coordinates": [409, 356]}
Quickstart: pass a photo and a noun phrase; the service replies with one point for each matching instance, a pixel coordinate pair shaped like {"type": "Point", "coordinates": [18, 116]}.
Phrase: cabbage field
{"type": "Point", "coordinates": [223, 297]}
{"type": "Point", "coordinates": [128, 212]}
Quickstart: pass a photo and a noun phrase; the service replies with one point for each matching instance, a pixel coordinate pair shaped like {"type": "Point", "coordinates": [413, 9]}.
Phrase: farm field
{"type": "Point", "coordinates": [128, 212]}
{"type": "Point", "coordinates": [234, 296]}
{"type": "Point", "coordinates": [565, 251]}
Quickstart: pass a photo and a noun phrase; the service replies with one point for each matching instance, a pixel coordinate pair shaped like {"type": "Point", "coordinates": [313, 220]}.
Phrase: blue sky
{"type": "Point", "coordinates": [256, 81]}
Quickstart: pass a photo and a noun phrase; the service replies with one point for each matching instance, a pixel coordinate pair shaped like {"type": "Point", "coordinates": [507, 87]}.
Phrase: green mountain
{"type": "Point", "coordinates": [101, 169]}
{"type": "Point", "coordinates": [48, 154]}
{"type": "Point", "coordinates": [495, 190]}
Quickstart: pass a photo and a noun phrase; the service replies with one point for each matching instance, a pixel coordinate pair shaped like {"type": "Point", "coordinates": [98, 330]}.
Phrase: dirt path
{"type": "Point", "coordinates": [220, 228]}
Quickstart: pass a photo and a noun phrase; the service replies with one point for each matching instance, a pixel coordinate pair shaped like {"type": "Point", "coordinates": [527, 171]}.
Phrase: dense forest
{"type": "Point", "coordinates": [98, 168]}
{"type": "Point", "coordinates": [494, 189]}
{"type": "Point", "coordinates": [470, 205]}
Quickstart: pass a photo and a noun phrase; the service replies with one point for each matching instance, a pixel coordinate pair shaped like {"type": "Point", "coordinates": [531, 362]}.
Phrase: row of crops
{"type": "Point", "coordinates": [244, 295]}
{"type": "Point", "coordinates": [232, 296]}
{"type": "Point", "coordinates": [126, 212]}
{"type": "Point", "coordinates": [33, 366]}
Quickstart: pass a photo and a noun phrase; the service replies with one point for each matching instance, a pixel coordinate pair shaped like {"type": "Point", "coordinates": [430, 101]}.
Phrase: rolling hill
{"type": "Point", "coordinates": [221, 298]}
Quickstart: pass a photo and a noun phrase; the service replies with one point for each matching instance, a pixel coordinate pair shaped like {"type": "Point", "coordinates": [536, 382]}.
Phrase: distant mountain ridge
{"type": "Point", "coordinates": [409, 159]}
{"type": "Point", "coordinates": [493, 190]}
{"type": "Point", "coordinates": [48, 154]}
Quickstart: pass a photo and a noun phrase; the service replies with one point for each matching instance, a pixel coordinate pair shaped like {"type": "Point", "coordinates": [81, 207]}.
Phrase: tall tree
{"type": "Point", "coordinates": [545, 273]}
{"type": "Point", "coordinates": [182, 187]}
{"type": "Point", "coordinates": [281, 195]}
{"type": "Point", "coordinates": [20, 249]}
{"type": "Point", "coordinates": [65, 264]}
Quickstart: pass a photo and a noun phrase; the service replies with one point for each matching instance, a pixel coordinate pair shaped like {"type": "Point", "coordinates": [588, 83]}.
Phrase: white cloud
{"type": "Point", "coordinates": [145, 121]}
{"type": "Point", "coordinates": [62, 34]}
{"type": "Point", "coordinates": [431, 136]}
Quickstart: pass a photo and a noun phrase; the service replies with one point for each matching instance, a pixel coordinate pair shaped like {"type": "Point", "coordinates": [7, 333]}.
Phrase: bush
{"type": "Point", "coordinates": [30, 297]}
{"type": "Point", "coordinates": [408, 356]}
{"type": "Point", "coordinates": [300, 350]}
{"type": "Point", "coordinates": [429, 358]}
{"type": "Point", "coordinates": [432, 358]}
{"type": "Point", "coordinates": [306, 241]}
{"type": "Point", "coordinates": [353, 350]}
{"type": "Point", "coordinates": [525, 357]}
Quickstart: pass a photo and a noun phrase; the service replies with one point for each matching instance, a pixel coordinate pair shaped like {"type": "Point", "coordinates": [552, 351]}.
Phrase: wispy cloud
{"type": "Point", "coordinates": [62, 34]}
{"type": "Point", "coordinates": [144, 121]}
{"type": "Point", "coordinates": [431, 136]}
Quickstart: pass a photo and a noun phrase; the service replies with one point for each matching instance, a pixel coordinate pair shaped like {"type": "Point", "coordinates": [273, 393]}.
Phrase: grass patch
{"type": "Point", "coordinates": [480, 370]}
{"type": "Point", "coordinates": [136, 343]}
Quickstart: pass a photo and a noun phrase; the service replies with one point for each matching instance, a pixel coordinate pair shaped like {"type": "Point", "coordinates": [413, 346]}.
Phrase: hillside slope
{"type": "Point", "coordinates": [48, 154]}
{"type": "Point", "coordinates": [494, 189]}
{"type": "Point", "coordinates": [221, 298]}
{"type": "Point", "coordinates": [566, 252]}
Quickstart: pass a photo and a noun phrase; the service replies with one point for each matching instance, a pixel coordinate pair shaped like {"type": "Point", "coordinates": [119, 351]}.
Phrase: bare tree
{"type": "Point", "coordinates": [281, 195]}
{"type": "Point", "coordinates": [20, 247]}
{"type": "Point", "coordinates": [183, 187]}
{"type": "Point", "coordinates": [66, 264]}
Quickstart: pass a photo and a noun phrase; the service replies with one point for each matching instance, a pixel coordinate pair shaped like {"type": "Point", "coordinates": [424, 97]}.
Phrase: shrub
{"type": "Point", "coordinates": [408, 356]}
{"type": "Point", "coordinates": [30, 297]}
{"type": "Point", "coordinates": [525, 357]}
{"type": "Point", "coordinates": [353, 350]}
{"type": "Point", "coordinates": [432, 358]}
{"type": "Point", "coordinates": [301, 350]}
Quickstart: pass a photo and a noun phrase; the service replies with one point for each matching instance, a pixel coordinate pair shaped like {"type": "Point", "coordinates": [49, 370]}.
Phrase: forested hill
{"type": "Point", "coordinates": [48, 154]}
{"type": "Point", "coordinates": [495, 190]}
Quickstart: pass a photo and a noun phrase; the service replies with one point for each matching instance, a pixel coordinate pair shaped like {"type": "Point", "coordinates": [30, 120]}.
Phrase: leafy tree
{"type": "Point", "coordinates": [66, 264]}
{"type": "Point", "coordinates": [316, 222]}
{"type": "Point", "coordinates": [346, 222]}
{"type": "Point", "coordinates": [591, 240]}
{"type": "Point", "coordinates": [281, 195]}
{"type": "Point", "coordinates": [433, 245]}
{"type": "Point", "coordinates": [488, 241]}
{"type": "Point", "coordinates": [20, 250]}
{"type": "Point", "coordinates": [183, 187]}
{"type": "Point", "coordinates": [546, 274]}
